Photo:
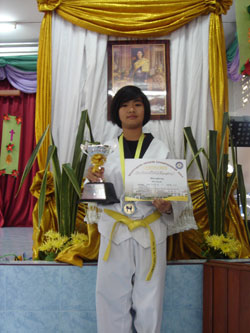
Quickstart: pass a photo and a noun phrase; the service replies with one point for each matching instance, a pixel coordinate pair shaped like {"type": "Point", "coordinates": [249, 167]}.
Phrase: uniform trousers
{"type": "Point", "coordinates": [121, 285]}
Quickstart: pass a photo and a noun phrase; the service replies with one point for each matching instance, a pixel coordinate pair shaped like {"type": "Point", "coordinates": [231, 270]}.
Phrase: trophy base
{"type": "Point", "coordinates": [103, 193]}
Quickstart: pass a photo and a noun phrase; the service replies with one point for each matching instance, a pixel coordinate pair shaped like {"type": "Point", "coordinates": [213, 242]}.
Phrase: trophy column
{"type": "Point", "coordinates": [100, 192]}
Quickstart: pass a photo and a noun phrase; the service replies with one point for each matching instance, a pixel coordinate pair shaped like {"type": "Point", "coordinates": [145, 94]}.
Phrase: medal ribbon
{"type": "Point", "coordinates": [122, 158]}
{"type": "Point", "coordinates": [133, 224]}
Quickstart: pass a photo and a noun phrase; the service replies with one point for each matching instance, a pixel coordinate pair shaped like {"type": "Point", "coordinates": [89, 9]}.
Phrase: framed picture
{"type": "Point", "coordinates": [145, 64]}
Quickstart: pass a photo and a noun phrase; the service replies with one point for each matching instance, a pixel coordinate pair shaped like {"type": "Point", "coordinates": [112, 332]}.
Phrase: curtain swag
{"type": "Point", "coordinates": [129, 18]}
{"type": "Point", "coordinates": [233, 61]}
{"type": "Point", "coordinates": [22, 80]}
{"type": "Point", "coordinates": [25, 63]}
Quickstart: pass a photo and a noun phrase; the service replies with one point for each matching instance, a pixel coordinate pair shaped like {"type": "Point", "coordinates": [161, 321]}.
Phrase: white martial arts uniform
{"type": "Point", "coordinates": [121, 280]}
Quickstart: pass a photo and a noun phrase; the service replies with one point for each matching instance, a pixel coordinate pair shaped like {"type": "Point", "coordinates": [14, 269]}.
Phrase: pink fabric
{"type": "Point", "coordinates": [17, 212]}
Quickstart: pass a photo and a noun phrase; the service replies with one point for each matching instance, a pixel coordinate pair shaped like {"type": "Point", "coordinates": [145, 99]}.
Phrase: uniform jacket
{"type": "Point", "coordinates": [180, 220]}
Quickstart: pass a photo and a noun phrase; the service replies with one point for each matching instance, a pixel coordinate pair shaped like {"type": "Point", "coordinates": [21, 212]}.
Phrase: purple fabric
{"type": "Point", "coordinates": [2, 74]}
{"type": "Point", "coordinates": [233, 68]}
{"type": "Point", "coordinates": [22, 80]}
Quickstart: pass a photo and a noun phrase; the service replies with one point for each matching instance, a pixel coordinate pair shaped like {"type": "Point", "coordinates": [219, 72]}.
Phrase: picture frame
{"type": "Point", "coordinates": [146, 64]}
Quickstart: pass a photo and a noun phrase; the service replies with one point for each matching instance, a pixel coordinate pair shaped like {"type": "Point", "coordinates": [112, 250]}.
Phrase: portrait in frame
{"type": "Point", "coordinates": [145, 64]}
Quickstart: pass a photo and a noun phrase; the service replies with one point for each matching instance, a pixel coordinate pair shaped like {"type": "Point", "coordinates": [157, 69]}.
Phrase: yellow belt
{"type": "Point", "coordinates": [133, 224]}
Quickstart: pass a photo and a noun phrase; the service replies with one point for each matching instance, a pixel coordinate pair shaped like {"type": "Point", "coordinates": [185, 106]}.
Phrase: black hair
{"type": "Point", "coordinates": [126, 94]}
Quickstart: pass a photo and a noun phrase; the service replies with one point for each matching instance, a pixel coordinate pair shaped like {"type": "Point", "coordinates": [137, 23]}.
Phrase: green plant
{"type": "Point", "coordinates": [219, 183]}
{"type": "Point", "coordinates": [67, 178]}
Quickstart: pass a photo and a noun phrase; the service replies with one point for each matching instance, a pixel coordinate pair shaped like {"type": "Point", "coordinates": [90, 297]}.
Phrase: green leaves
{"type": "Point", "coordinates": [218, 185]}
{"type": "Point", "coordinates": [32, 159]}
{"type": "Point", "coordinates": [67, 179]}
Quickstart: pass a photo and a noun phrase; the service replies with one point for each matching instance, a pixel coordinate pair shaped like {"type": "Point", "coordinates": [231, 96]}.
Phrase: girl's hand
{"type": "Point", "coordinates": [95, 177]}
{"type": "Point", "coordinates": [163, 206]}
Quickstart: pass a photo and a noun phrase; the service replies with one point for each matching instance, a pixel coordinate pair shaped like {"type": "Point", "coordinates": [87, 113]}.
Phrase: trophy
{"type": "Point", "coordinates": [101, 191]}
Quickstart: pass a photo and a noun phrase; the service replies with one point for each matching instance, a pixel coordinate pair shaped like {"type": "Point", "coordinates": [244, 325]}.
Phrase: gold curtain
{"type": "Point", "coordinates": [44, 87]}
{"type": "Point", "coordinates": [218, 72]}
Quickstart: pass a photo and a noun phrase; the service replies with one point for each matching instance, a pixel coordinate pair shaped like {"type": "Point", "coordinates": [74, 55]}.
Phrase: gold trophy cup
{"type": "Point", "coordinates": [101, 191]}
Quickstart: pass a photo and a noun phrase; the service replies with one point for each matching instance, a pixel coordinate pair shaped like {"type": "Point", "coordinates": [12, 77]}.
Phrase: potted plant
{"type": "Point", "coordinates": [218, 183]}
{"type": "Point", "coordinates": [67, 178]}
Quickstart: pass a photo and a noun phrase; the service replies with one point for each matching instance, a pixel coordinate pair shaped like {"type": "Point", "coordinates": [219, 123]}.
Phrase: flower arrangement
{"type": "Point", "coordinates": [54, 243]}
{"type": "Point", "coordinates": [223, 246]}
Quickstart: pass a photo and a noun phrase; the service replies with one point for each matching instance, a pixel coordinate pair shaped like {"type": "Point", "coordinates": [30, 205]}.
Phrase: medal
{"type": "Point", "coordinates": [129, 208]}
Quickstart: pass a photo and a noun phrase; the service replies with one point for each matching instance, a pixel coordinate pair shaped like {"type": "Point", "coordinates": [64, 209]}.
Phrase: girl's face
{"type": "Point", "coordinates": [131, 114]}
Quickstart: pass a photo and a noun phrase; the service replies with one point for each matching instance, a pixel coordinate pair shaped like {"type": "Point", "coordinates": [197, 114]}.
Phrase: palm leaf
{"type": "Point", "coordinates": [79, 175]}
{"type": "Point", "coordinates": [79, 138]}
{"type": "Point", "coordinates": [90, 130]}
{"type": "Point", "coordinates": [32, 159]}
{"type": "Point", "coordinates": [242, 191]}
{"type": "Point", "coordinates": [42, 196]}
{"type": "Point", "coordinates": [73, 195]}
{"type": "Point", "coordinates": [229, 186]}
{"type": "Point", "coordinates": [212, 173]}
{"type": "Point", "coordinates": [72, 177]}
{"type": "Point", "coordinates": [57, 175]}
{"type": "Point", "coordinates": [193, 146]}
{"type": "Point", "coordinates": [65, 205]}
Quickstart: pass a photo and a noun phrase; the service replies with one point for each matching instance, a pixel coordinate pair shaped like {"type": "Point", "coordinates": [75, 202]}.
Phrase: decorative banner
{"type": "Point", "coordinates": [10, 145]}
{"type": "Point", "coordinates": [242, 9]}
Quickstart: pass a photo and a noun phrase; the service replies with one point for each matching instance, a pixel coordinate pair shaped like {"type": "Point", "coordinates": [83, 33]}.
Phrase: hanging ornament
{"type": "Point", "coordinates": [9, 159]}
{"type": "Point", "coordinates": [246, 68]}
{"type": "Point", "coordinates": [10, 147]}
{"type": "Point", "coordinates": [14, 173]}
{"type": "Point", "coordinates": [18, 120]}
{"type": "Point", "coordinates": [6, 117]}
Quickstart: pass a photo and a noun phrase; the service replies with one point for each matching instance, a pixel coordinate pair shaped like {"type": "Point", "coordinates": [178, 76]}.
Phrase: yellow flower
{"type": "Point", "coordinates": [52, 234]}
{"type": "Point", "coordinates": [78, 238]}
{"type": "Point", "coordinates": [54, 242]}
{"type": "Point", "coordinates": [224, 245]}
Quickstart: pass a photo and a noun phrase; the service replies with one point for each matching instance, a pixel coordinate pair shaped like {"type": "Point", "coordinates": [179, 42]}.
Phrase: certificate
{"type": "Point", "coordinates": [147, 179]}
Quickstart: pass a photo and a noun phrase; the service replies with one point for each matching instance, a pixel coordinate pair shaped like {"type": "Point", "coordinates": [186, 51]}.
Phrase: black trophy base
{"type": "Point", "coordinates": [103, 193]}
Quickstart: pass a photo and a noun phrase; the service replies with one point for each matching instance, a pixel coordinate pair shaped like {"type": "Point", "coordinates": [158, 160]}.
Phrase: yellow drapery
{"type": "Point", "coordinates": [44, 87]}
{"type": "Point", "coordinates": [49, 218]}
{"type": "Point", "coordinates": [218, 72]}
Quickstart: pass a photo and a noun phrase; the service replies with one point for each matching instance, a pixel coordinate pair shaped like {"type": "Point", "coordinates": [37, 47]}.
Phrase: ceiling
{"type": "Point", "coordinates": [24, 39]}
